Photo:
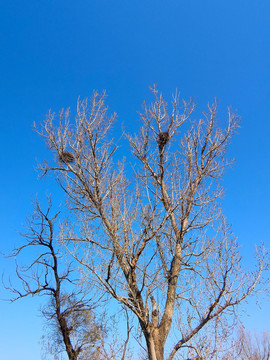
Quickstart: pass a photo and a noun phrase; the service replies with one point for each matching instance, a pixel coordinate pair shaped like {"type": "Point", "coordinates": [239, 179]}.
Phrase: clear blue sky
{"type": "Point", "coordinates": [54, 51]}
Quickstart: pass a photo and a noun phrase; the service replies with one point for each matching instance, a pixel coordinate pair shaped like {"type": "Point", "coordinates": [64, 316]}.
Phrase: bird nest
{"type": "Point", "coordinates": [66, 157]}
{"type": "Point", "coordinates": [163, 138]}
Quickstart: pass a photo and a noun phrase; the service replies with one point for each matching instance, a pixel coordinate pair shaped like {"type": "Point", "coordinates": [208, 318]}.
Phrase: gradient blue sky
{"type": "Point", "coordinates": [54, 51]}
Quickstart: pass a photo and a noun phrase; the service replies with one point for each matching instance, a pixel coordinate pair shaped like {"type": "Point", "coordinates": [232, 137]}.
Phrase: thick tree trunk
{"type": "Point", "coordinates": [155, 345]}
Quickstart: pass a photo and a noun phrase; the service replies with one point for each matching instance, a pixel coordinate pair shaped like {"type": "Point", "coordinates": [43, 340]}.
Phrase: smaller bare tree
{"type": "Point", "coordinates": [250, 346]}
{"type": "Point", "coordinates": [73, 323]}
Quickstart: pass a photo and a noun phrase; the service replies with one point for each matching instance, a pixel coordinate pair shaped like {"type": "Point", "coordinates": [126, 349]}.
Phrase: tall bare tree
{"type": "Point", "coordinates": [152, 234]}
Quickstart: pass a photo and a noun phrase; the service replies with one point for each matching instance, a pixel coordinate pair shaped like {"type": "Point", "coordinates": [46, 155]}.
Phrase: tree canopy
{"type": "Point", "coordinates": [148, 230]}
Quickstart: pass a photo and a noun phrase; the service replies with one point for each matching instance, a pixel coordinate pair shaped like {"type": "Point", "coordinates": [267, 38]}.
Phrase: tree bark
{"type": "Point", "coordinates": [155, 345]}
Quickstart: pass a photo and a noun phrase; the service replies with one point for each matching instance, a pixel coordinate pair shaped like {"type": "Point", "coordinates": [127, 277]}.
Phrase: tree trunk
{"type": "Point", "coordinates": [66, 338]}
{"type": "Point", "coordinates": [155, 345]}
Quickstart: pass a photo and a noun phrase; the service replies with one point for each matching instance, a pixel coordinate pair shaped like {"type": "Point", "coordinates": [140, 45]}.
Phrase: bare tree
{"type": "Point", "coordinates": [71, 318]}
{"type": "Point", "coordinates": [250, 346]}
{"type": "Point", "coordinates": [152, 235]}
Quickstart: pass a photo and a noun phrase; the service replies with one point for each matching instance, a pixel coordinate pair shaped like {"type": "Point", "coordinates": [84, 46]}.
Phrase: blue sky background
{"type": "Point", "coordinates": [54, 51]}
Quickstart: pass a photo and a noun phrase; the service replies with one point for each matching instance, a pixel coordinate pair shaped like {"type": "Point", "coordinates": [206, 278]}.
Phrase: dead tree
{"type": "Point", "coordinates": [69, 313]}
{"type": "Point", "coordinates": [154, 233]}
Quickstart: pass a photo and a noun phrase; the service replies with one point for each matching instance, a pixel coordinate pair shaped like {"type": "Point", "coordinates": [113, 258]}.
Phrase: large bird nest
{"type": "Point", "coordinates": [162, 140]}
{"type": "Point", "coordinates": [66, 157]}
